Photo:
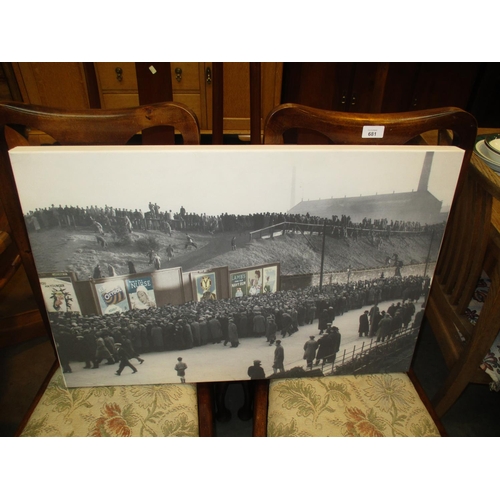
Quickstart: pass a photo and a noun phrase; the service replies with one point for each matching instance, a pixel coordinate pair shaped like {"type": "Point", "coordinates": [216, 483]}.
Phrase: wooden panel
{"type": "Point", "coordinates": [236, 125]}
{"type": "Point", "coordinates": [272, 74]}
{"type": "Point", "coordinates": [116, 100]}
{"type": "Point", "coordinates": [193, 101]}
{"type": "Point", "coordinates": [368, 87]}
{"type": "Point", "coordinates": [236, 100]}
{"type": "Point", "coordinates": [237, 94]}
{"type": "Point", "coordinates": [9, 89]}
{"type": "Point", "coordinates": [400, 87]}
{"type": "Point", "coordinates": [112, 101]}
{"type": "Point", "coordinates": [60, 85]}
{"type": "Point", "coordinates": [485, 100]}
{"type": "Point", "coordinates": [444, 84]}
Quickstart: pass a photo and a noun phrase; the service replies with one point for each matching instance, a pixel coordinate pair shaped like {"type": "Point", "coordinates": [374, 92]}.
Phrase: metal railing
{"type": "Point", "coordinates": [345, 231]}
{"type": "Point", "coordinates": [354, 360]}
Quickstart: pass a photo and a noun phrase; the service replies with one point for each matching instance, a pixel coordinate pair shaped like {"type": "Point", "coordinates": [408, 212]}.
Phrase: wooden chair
{"type": "Point", "coordinates": [88, 127]}
{"type": "Point", "coordinates": [472, 246]}
{"type": "Point", "coordinates": [458, 249]}
{"type": "Point", "coordinates": [20, 319]}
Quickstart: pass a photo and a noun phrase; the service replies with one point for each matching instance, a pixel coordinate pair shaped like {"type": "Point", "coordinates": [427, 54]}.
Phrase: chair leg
{"type": "Point", "coordinates": [458, 378]}
{"type": "Point", "coordinates": [205, 409]}
{"type": "Point", "coordinates": [222, 414]}
{"type": "Point", "coordinates": [245, 412]}
{"type": "Point", "coordinates": [260, 405]}
{"type": "Point", "coordinates": [448, 394]}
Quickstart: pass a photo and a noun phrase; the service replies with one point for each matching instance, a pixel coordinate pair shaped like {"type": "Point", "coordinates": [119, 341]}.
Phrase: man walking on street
{"type": "Point", "coordinates": [279, 358]}
{"type": "Point", "coordinates": [123, 357]}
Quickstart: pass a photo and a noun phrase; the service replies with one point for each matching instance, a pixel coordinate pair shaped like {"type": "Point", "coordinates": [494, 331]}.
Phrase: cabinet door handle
{"type": "Point", "coordinates": [208, 75]}
{"type": "Point", "coordinates": [178, 74]}
{"type": "Point", "coordinates": [119, 74]}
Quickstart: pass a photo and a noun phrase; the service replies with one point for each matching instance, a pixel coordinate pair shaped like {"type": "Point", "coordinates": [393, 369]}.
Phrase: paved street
{"type": "Point", "coordinates": [216, 362]}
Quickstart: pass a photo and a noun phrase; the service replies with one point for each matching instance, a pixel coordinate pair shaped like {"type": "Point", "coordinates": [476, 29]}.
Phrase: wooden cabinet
{"type": "Point", "coordinates": [351, 87]}
{"type": "Point", "coordinates": [387, 88]}
{"type": "Point", "coordinates": [380, 87]}
{"type": "Point", "coordinates": [417, 86]}
{"type": "Point", "coordinates": [114, 85]}
{"type": "Point", "coordinates": [192, 85]}
{"type": "Point", "coordinates": [117, 83]}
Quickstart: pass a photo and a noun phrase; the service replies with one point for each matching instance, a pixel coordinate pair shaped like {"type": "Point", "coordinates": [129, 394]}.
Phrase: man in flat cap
{"type": "Point", "coordinates": [256, 371]}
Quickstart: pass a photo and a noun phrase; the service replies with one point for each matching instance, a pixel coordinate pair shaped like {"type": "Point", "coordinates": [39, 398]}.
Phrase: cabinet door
{"type": "Point", "coordinates": [444, 84]}
{"type": "Point", "coordinates": [236, 100]}
{"type": "Point", "coordinates": [416, 86]}
{"type": "Point", "coordinates": [58, 85]}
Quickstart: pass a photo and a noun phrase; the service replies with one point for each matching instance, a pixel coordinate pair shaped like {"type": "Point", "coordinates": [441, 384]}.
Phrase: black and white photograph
{"type": "Point", "coordinates": [245, 261]}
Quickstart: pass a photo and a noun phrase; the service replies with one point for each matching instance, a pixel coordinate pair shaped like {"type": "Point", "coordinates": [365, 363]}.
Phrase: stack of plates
{"type": "Point", "coordinates": [488, 149]}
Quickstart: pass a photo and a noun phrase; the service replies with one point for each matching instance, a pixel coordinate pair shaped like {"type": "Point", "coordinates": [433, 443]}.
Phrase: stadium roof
{"type": "Point", "coordinates": [416, 206]}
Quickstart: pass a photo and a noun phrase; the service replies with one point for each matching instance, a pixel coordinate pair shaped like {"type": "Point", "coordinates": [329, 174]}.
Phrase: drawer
{"type": "Point", "coordinates": [187, 76]}
{"type": "Point", "coordinates": [189, 73]}
{"type": "Point", "coordinates": [108, 77]}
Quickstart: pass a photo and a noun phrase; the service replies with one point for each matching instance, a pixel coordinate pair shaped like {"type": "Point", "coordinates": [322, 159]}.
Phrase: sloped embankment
{"type": "Point", "coordinates": [300, 256]}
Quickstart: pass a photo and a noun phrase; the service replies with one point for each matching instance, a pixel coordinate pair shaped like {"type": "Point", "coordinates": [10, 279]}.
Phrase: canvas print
{"type": "Point", "coordinates": [244, 261]}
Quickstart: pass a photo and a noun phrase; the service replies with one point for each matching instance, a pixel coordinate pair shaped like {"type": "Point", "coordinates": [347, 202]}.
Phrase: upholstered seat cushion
{"type": "Point", "coordinates": [142, 410]}
{"type": "Point", "coordinates": [354, 405]}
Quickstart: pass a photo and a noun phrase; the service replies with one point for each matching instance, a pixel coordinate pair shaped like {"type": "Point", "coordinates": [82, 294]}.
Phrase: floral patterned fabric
{"type": "Point", "coordinates": [353, 405]}
{"type": "Point", "coordinates": [142, 410]}
{"type": "Point", "coordinates": [491, 362]}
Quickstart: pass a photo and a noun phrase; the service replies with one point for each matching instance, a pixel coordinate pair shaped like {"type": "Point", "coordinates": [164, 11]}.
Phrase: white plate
{"type": "Point", "coordinates": [492, 142]}
{"type": "Point", "coordinates": [486, 151]}
{"type": "Point", "coordinates": [479, 150]}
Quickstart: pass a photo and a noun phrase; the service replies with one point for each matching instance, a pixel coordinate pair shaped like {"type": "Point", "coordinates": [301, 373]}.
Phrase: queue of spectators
{"type": "Point", "coordinates": [91, 339]}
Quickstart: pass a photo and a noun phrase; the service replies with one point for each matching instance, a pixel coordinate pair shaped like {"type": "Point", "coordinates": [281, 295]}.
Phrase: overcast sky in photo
{"type": "Point", "coordinates": [215, 180]}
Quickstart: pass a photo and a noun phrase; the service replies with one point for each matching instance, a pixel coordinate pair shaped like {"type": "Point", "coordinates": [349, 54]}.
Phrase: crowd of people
{"type": "Point", "coordinates": [110, 219]}
{"type": "Point", "coordinates": [92, 339]}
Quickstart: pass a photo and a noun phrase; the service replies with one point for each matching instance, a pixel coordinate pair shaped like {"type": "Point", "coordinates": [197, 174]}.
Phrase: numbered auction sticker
{"type": "Point", "coordinates": [373, 132]}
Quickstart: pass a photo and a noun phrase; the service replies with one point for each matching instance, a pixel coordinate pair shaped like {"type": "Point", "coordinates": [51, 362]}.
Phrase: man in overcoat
{"type": "Point", "coordinates": [364, 324]}
{"type": "Point", "coordinates": [310, 351]}
{"type": "Point", "coordinates": [279, 358]}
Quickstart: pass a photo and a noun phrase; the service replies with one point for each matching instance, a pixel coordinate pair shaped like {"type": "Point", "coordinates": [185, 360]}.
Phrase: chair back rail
{"type": "Point", "coordinates": [102, 126]}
